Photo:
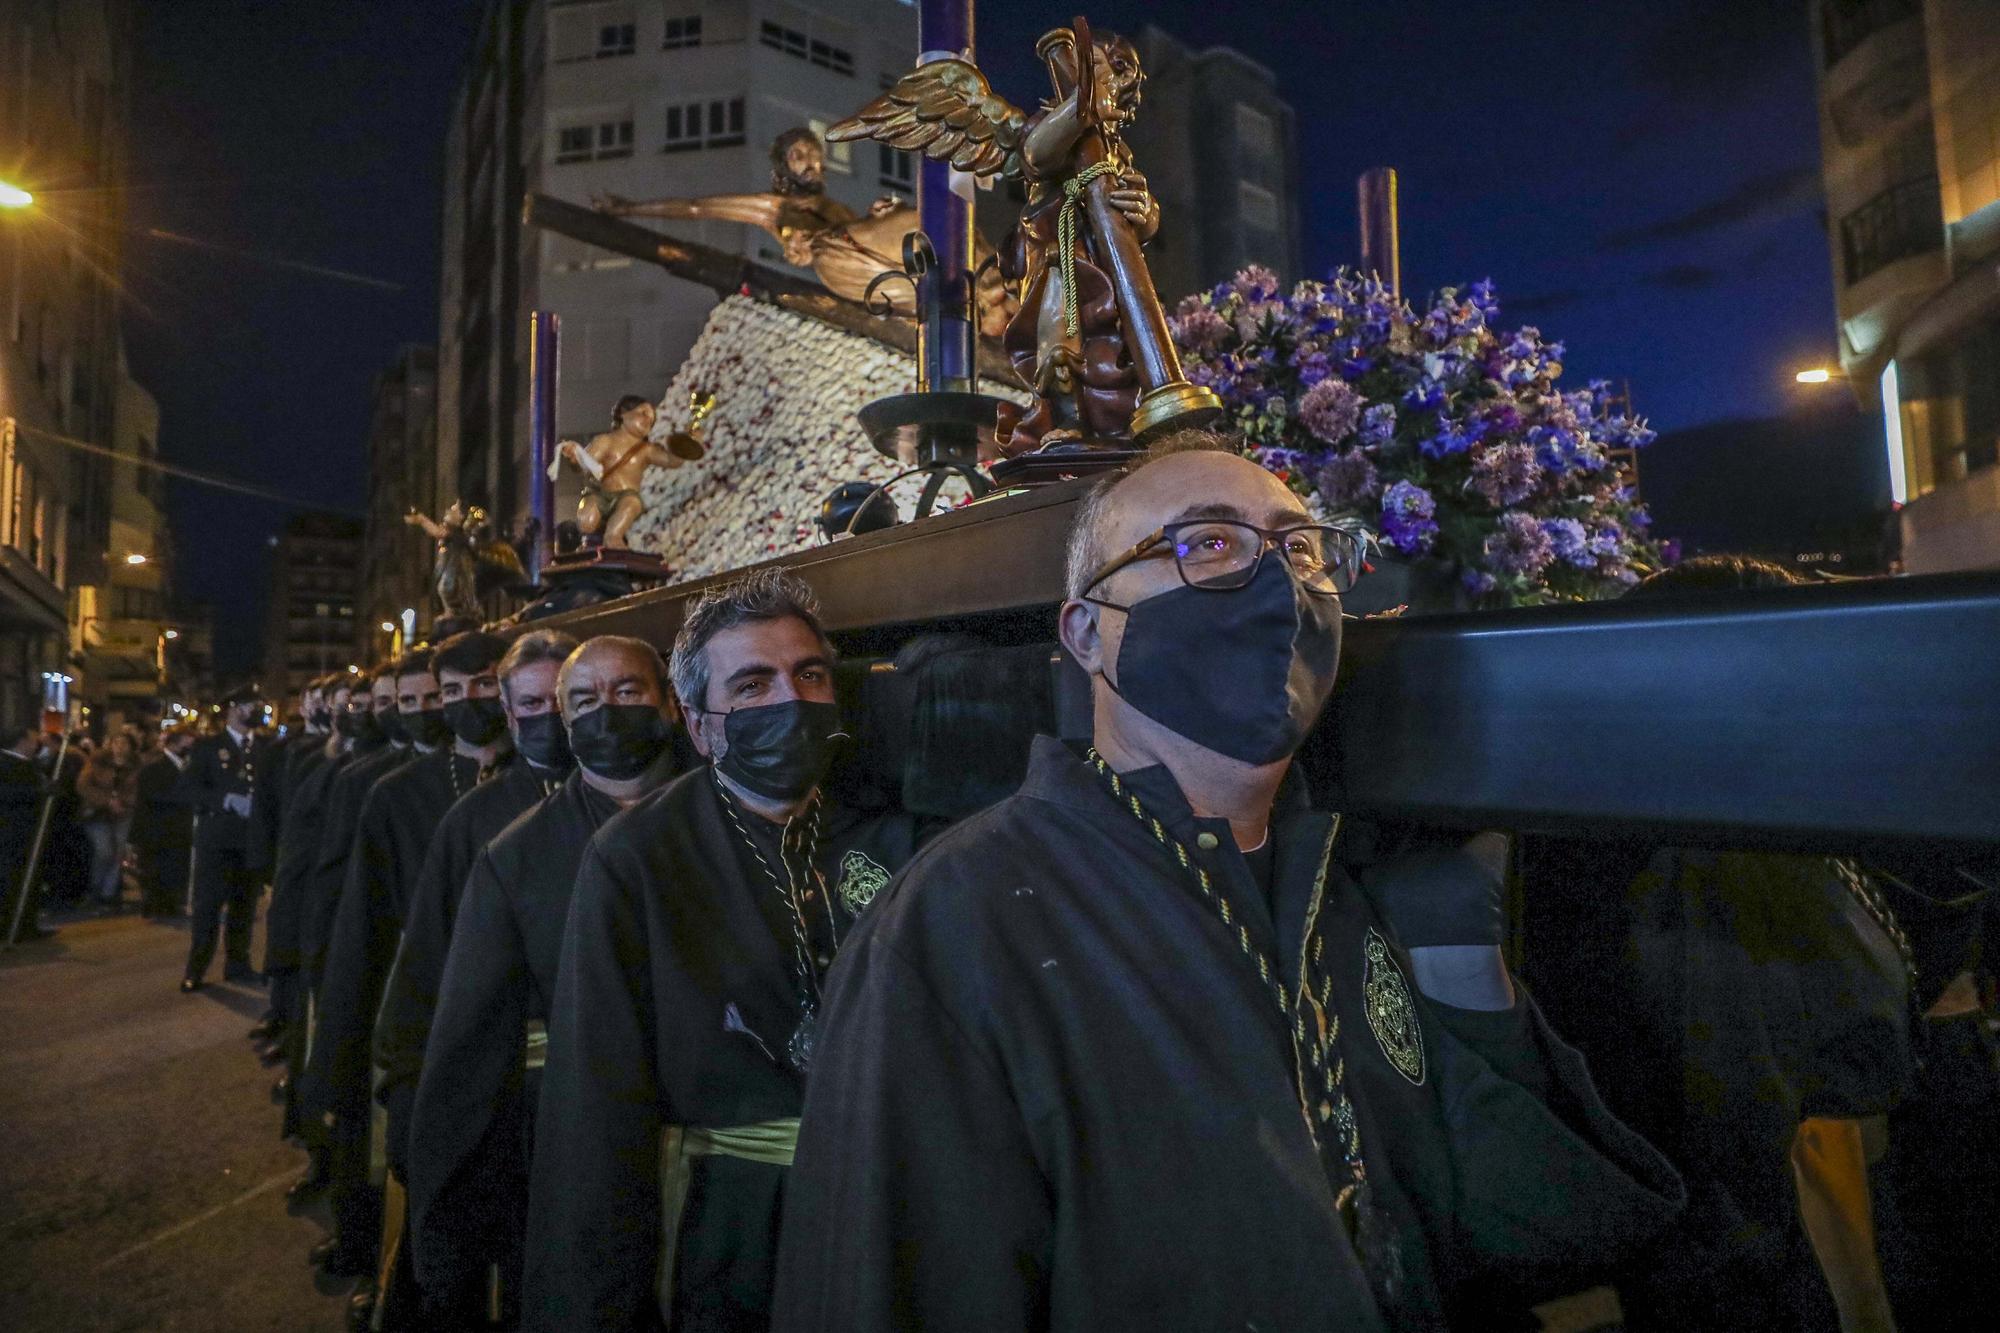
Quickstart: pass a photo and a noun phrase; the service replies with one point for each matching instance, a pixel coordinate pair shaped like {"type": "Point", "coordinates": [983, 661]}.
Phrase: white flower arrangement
{"type": "Point", "coordinates": [782, 434]}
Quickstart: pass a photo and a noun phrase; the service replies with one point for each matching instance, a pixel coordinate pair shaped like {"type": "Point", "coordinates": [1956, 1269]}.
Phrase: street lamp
{"type": "Point", "coordinates": [388, 627]}
{"type": "Point", "coordinates": [136, 558]}
{"type": "Point", "coordinates": [13, 196]}
{"type": "Point", "coordinates": [1819, 375]}
{"type": "Point", "coordinates": [172, 633]}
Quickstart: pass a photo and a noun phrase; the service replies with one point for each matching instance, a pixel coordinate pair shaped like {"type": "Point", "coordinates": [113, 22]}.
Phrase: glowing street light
{"type": "Point", "coordinates": [1819, 375]}
{"type": "Point", "coordinates": [388, 627]}
{"type": "Point", "coordinates": [13, 196]}
{"type": "Point", "coordinates": [136, 558]}
{"type": "Point", "coordinates": [172, 634]}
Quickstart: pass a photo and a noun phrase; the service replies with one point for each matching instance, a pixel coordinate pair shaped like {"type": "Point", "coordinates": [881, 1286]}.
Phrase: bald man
{"type": "Point", "coordinates": [1131, 1049]}
{"type": "Point", "coordinates": [475, 1100]}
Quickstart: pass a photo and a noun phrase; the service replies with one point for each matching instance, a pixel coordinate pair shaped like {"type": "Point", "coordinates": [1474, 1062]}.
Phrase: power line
{"type": "Point", "coordinates": [187, 474]}
{"type": "Point", "coordinates": [275, 261]}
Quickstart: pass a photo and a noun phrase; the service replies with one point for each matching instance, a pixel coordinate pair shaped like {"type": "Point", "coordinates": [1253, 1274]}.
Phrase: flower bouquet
{"type": "Point", "coordinates": [1443, 435]}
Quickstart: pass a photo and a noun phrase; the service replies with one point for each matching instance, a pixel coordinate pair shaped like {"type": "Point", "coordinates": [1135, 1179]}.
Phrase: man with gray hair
{"type": "Point", "coordinates": [687, 997]}
{"type": "Point", "coordinates": [482, 1066]}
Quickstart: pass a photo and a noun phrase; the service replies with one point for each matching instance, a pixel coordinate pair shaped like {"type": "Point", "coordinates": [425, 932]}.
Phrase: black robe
{"type": "Point", "coordinates": [391, 838]}
{"type": "Point", "coordinates": [365, 765]}
{"type": "Point", "coordinates": [471, 1132]}
{"type": "Point", "coordinates": [1054, 1093]}
{"type": "Point", "coordinates": [410, 995]}
{"type": "Point", "coordinates": [276, 762]}
{"type": "Point", "coordinates": [675, 999]}
{"type": "Point", "coordinates": [307, 778]}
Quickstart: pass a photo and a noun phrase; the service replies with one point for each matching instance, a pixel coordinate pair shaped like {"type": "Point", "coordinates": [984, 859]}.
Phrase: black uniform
{"type": "Point", "coordinates": [410, 995]}
{"type": "Point", "coordinates": [162, 833]}
{"type": "Point", "coordinates": [676, 1002]}
{"type": "Point", "coordinates": [472, 1129]}
{"type": "Point", "coordinates": [219, 767]}
{"type": "Point", "coordinates": [22, 790]}
{"type": "Point", "coordinates": [311, 783]}
{"type": "Point", "coordinates": [368, 762]}
{"type": "Point", "coordinates": [1055, 1092]}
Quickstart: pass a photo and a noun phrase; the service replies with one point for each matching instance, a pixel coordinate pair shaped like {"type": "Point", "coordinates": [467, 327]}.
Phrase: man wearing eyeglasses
{"type": "Point", "coordinates": [1132, 1049]}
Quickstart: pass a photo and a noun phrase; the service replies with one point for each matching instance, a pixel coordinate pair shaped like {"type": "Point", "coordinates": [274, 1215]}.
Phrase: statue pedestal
{"type": "Point", "coordinates": [578, 579]}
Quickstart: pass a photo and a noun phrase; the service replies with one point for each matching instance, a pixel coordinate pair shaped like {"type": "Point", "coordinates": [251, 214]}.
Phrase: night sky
{"type": "Point", "coordinates": [1640, 178]}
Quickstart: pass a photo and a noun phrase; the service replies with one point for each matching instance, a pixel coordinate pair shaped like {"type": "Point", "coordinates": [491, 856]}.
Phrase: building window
{"type": "Point", "coordinates": [682, 32]}
{"type": "Point", "coordinates": [617, 39]}
{"type": "Point", "coordinates": [898, 168]}
{"type": "Point", "coordinates": [811, 50]}
{"type": "Point", "coordinates": [594, 143]}
{"type": "Point", "coordinates": [1902, 221]}
{"type": "Point", "coordinates": [1257, 207]}
{"type": "Point", "coordinates": [696, 125]}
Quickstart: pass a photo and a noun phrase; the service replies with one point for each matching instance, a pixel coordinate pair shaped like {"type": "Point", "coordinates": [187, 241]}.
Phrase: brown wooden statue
{"type": "Point", "coordinates": [1090, 335]}
{"type": "Point", "coordinates": [470, 563]}
{"type": "Point", "coordinates": [845, 250]}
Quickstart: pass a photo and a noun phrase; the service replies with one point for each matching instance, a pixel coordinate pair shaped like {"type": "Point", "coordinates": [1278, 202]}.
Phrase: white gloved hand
{"type": "Point", "coordinates": [237, 804]}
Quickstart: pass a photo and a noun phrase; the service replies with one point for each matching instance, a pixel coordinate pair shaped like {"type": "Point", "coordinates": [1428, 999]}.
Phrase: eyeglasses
{"type": "Point", "coordinates": [1222, 555]}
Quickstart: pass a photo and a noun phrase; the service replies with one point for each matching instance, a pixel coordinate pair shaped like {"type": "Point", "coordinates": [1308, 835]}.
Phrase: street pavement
{"type": "Point", "coordinates": [142, 1179]}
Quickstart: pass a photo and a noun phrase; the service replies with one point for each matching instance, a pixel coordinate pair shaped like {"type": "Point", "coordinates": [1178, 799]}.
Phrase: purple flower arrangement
{"type": "Point", "coordinates": [1447, 436]}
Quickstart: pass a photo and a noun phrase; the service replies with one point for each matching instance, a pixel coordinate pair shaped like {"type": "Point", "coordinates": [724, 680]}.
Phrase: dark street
{"type": "Point", "coordinates": [142, 1176]}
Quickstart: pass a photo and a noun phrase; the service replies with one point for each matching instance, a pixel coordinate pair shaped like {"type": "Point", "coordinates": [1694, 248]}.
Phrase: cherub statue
{"type": "Point", "coordinates": [845, 250]}
{"type": "Point", "coordinates": [614, 463]}
{"type": "Point", "coordinates": [469, 564]}
{"type": "Point", "coordinates": [1090, 335]}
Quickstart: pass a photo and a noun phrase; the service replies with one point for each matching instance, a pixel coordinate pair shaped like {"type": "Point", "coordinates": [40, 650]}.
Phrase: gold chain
{"type": "Point", "coordinates": [1066, 235]}
{"type": "Point", "coordinates": [1313, 1045]}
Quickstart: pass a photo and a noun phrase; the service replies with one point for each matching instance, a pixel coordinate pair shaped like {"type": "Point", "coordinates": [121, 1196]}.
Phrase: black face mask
{"type": "Point", "coordinates": [619, 741]}
{"type": "Point", "coordinates": [426, 726]}
{"type": "Point", "coordinates": [779, 751]}
{"type": "Point", "coordinates": [320, 717]}
{"type": "Point", "coordinates": [358, 724]}
{"type": "Point", "coordinates": [475, 721]}
{"type": "Point", "coordinates": [542, 740]}
{"type": "Point", "coordinates": [1242, 673]}
{"type": "Point", "coordinates": [393, 727]}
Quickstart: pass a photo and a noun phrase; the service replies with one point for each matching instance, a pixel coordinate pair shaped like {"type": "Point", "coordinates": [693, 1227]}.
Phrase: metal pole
{"type": "Point", "coordinates": [944, 30]}
{"type": "Point", "coordinates": [1381, 243]}
{"type": "Point", "coordinates": [544, 361]}
{"type": "Point", "coordinates": [33, 870]}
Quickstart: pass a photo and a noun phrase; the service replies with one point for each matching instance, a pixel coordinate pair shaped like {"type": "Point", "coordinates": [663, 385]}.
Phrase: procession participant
{"type": "Point", "coordinates": [391, 839]}
{"type": "Point", "coordinates": [339, 988]}
{"type": "Point", "coordinates": [357, 738]}
{"type": "Point", "coordinates": [536, 763]}
{"type": "Point", "coordinates": [468, 1171]}
{"type": "Point", "coordinates": [163, 826]}
{"type": "Point", "coordinates": [1128, 1050]}
{"type": "Point", "coordinates": [218, 784]}
{"type": "Point", "coordinates": [23, 792]}
{"type": "Point", "coordinates": [687, 996]}
{"type": "Point", "coordinates": [279, 768]}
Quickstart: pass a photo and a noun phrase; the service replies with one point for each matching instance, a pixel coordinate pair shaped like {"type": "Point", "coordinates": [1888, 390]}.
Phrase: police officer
{"type": "Point", "coordinates": [219, 783]}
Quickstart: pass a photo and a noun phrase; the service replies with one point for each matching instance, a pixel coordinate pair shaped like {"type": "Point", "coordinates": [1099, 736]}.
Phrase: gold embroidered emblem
{"type": "Point", "coordinates": [860, 880]}
{"type": "Point", "coordinates": [1392, 1012]}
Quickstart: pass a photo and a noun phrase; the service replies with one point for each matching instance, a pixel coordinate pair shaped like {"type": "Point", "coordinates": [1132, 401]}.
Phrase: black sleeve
{"type": "Point", "coordinates": [201, 782]}
{"type": "Point", "coordinates": [409, 997]}
{"type": "Point", "coordinates": [594, 1202]}
{"type": "Point", "coordinates": [1546, 1177]}
{"type": "Point", "coordinates": [470, 1061]}
{"type": "Point", "coordinates": [911, 1142]}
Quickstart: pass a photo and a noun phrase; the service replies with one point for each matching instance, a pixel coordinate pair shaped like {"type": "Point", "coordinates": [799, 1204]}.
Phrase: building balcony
{"type": "Point", "coordinates": [1845, 25]}
{"type": "Point", "coordinates": [1902, 221]}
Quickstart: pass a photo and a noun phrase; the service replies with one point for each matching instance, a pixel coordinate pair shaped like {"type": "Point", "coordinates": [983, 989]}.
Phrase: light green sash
{"type": "Point", "coordinates": [769, 1141]}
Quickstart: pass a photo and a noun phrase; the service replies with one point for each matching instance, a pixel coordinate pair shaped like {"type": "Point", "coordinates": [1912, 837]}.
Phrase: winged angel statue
{"type": "Point", "coordinates": [1089, 335]}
